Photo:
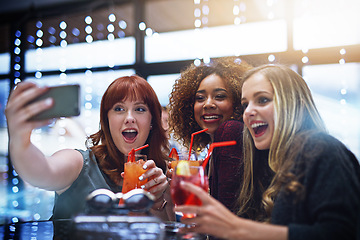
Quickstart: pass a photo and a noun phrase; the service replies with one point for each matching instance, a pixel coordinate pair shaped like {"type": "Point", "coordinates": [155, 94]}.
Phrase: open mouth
{"type": "Point", "coordinates": [211, 118]}
{"type": "Point", "coordinates": [130, 135]}
{"type": "Point", "coordinates": [259, 128]}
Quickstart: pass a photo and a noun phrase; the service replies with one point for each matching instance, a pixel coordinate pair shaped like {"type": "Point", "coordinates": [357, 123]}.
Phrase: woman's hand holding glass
{"type": "Point", "coordinates": [157, 182]}
{"type": "Point", "coordinates": [210, 218]}
{"type": "Point", "coordinates": [144, 174]}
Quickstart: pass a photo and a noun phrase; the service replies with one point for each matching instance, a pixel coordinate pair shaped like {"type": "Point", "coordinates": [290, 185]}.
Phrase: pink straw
{"type": "Point", "coordinates": [214, 145]}
{"type": "Point", "coordinates": [192, 140]}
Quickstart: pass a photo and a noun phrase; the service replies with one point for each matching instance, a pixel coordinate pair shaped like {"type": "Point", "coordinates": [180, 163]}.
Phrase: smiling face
{"type": "Point", "coordinates": [257, 101]}
{"type": "Point", "coordinates": [213, 103]}
{"type": "Point", "coordinates": [129, 124]}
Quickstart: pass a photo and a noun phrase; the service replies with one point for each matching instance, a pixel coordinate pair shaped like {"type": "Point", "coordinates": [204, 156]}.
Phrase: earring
{"type": "Point", "coordinates": [150, 126]}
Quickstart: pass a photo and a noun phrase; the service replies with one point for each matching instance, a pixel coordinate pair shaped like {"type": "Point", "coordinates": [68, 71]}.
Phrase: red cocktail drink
{"type": "Point", "coordinates": [182, 197]}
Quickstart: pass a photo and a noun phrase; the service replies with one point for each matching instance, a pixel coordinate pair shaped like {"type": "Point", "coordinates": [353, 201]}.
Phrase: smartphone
{"type": "Point", "coordinates": [66, 102]}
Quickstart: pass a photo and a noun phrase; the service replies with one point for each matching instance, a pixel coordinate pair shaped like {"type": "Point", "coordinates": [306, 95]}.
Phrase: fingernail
{"type": "Point", "coordinates": [142, 186]}
{"type": "Point", "coordinates": [144, 167]}
{"type": "Point", "coordinates": [48, 101]}
{"type": "Point", "coordinates": [141, 178]}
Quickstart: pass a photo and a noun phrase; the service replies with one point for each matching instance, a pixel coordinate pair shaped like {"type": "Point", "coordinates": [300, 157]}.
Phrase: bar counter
{"type": "Point", "coordinates": [94, 228]}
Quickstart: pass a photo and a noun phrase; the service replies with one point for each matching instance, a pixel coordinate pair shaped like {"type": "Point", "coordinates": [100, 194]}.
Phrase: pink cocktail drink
{"type": "Point", "coordinates": [183, 197]}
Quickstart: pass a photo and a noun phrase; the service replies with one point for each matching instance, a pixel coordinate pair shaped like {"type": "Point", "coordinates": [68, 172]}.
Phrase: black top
{"type": "Point", "coordinates": [330, 174]}
{"type": "Point", "coordinates": [73, 200]}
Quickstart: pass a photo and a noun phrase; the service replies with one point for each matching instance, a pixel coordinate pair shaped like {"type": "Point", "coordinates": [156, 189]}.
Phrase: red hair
{"type": "Point", "coordinates": [111, 160]}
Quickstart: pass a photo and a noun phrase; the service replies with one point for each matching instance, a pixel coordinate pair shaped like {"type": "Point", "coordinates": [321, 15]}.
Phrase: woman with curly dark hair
{"type": "Point", "coordinates": [209, 96]}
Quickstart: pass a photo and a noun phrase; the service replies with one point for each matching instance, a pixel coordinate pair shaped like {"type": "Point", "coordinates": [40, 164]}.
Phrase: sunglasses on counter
{"type": "Point", "coordinates": [106, 201]}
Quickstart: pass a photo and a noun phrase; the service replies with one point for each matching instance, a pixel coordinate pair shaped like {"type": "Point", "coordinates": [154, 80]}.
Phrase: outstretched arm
{"type": "Point", "coordinates": [52, 173]}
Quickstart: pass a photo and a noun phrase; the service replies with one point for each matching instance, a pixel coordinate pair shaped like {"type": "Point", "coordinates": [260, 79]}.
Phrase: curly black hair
{"type": "Point", "coordinates": [182, 98]}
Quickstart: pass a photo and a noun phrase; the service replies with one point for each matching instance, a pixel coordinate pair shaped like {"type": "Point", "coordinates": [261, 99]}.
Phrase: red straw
{"type": "Point", "coordinates": [145, 146]}
{"type": "Point", "coordinates": [192, 139]}
{"type": "Point", "coordinates": [131, 155]}
{"type": "Point", "coordinates": [214, 145]}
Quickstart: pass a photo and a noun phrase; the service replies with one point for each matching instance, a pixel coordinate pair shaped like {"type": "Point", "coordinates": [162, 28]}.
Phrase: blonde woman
{"type": "Point", "coordinates": [314, 192]}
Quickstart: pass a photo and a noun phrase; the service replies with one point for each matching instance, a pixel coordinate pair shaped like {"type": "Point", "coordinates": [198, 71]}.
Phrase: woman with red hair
{"type": "Point", "coordinates": [130, 117]}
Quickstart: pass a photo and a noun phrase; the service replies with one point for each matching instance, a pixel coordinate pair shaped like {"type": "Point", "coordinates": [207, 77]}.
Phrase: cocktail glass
{"type": "Point", "coordinates": [183, 155]}
{"type": "Point", "coordinates": [183, 197]}
{"type": "Point", "coordinates": [132, 172]}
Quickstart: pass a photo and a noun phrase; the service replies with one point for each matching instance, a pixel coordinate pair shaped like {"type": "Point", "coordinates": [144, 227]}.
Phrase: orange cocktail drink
{"type": "Point", "coordinates": [132, 172]}
{"type": "Point", "coordinates": [194, 163]}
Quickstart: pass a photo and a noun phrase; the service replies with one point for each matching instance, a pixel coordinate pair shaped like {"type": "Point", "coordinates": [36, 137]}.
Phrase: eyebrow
{"type": "Point", "coordinates": [256, 94]}
{"type": "Point", "coordinates": [215, 90]}
{"type": "Point", "coordinates": [136, 103]}
{"type": "Point", "coordinates": [140, 103]}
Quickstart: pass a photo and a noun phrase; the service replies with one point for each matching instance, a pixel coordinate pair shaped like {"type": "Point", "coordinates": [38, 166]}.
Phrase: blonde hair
{"type": "Point", "coordinates": [294, 112]}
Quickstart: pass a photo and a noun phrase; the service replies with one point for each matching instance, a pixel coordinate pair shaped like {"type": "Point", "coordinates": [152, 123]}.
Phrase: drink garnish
{"type": "Point", "coordinates": [174, 154]}
{"type": "Point", "coordinates": [183, 168]}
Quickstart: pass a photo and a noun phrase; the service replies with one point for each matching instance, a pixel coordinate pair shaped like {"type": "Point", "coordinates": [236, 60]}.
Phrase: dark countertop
{"type": "Point", "coordinates": [94, 228]}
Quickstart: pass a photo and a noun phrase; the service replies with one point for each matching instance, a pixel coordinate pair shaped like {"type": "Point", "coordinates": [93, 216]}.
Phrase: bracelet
{"type": "Point", "coordinates": [164, 202]}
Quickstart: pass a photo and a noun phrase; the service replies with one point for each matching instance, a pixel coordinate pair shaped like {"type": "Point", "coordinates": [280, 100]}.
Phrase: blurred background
{"type": "Point", "coordinates": [93, 42]}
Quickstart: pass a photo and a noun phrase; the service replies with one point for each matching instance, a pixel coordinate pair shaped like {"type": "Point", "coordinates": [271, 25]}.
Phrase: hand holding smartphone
{"type": "Point", "coordinates": [66, 102]}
